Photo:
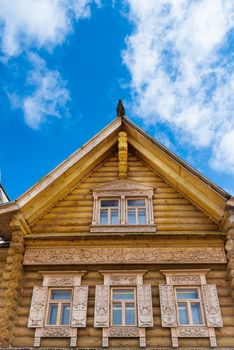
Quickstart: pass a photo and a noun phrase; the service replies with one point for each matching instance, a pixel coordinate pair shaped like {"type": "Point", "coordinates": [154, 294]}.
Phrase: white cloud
{"type": "Point", "coordinates": [39, 23]}
{"type": "Point", "coordinates": [27, 26]}
{"type": "Point", "coordinates": [179, 74]}
{"type": "Point", "coordinates": [224, 153]}
{"type": "Point", "coordinates": [49, 97]}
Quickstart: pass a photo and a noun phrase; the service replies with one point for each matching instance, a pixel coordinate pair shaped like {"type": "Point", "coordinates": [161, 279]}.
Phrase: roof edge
{"type": "Point", "coordinates": [179, 160]}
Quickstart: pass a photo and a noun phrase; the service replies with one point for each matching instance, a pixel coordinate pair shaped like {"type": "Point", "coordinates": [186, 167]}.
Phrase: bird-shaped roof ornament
{"type": "Point", "coordinates": [120, 109]}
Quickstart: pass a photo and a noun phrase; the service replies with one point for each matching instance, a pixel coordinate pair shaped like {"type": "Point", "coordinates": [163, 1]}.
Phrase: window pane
{"type": "Point", "coordinates": [109, 203]}
{"type": "Point", "coordinates": [123, 294]}
{"type": "Point", "coordinates": [103, 217]}
{"type": "Point", "coordinates": [53, 310]}
{"type": "Point", "coordinates": [130, 314]}
{"type": "Point", "coordinates": [187, 294]}
{"type": "Point", "coordinates": [65, 316]}
{"type": "Point", "coordinates": [114, 217]}
{"type": "Point", "coordinates": [196, 313]}
{"type": "Point", "coordinates": [141, 216]}
{"type": "Point", "coordinates": [136, 202]}
{"type": "Point", "coordinates": [183, 313]}
{"type": "Point", "coordinates": [61, 294]}
{"type": "Point", "coordinates": [117, 314]}
{"type": "Point", "coordinates": [131, 216]}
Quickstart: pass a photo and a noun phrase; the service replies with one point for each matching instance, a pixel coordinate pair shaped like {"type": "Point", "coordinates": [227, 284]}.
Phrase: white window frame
{"type": "Point", "coordinates": [123, 302]}
{"type": "Point", "coordinates": [39, 311]}
{"type": "Point", "coordinates": [188, 279]}
{"type": "Point", "coordinates": [60, 302]}
{"type": "Point", "coordinates": [136, 209]}
{"type": "Point", "coordinates": [189, 302]}
{"type": "Point", "coordinates": [109, 210]}
{"type": "Point", "coordinates": [130, 190]}
{"type": "Point", "coordinates": [119, 279]}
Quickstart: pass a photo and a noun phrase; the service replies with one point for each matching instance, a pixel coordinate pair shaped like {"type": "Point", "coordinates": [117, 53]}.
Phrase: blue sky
{"type": "Point", "coordinates": [65, 63]}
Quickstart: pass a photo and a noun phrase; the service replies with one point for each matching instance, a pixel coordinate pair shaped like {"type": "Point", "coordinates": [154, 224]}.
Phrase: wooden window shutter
{"type": "Point", "coordinates": [144, 305]}
{"type": "Point", "coordinates": [38, 306]}
{"type": "Point", "coordinates": [168, 306]}
{"type": "Point", "coordinates": [79, 306]}
{"type": "Point", "coordinates": [101, 317]}
{"type": "Point", "coordinates": [211, 305]}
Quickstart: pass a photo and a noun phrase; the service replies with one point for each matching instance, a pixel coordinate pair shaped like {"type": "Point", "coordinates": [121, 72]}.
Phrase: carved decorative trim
{"type": "Point", "coordinates": [123, 154]}
{"type": "Point", "coordinates": [167, 304]}
{"type": "Point", "coordinates": [209, 301]}
{"type": "Point", "coordinates": [56, 332]}
{"type": "Point", "coordinates": [101, 317]}
{"type": "Point", "coordinates": [122, 280]}
{"type": "Point", "coordinates": [185, 280]}
{"type": "Point", "coordinates": [38, 304]}
{"type": "Point", "coordinates": [37, 317]}
{"type": "Point", "coordinates": [144, 304]}
{"type": "Point", "coordinates": [123, 186]}
{"type": "Point", "coordinates": [192, 332]}
{"type": "Point", "coordinates": [61, 279]}
{"type": "Point", "coordinates": [79, 306]}
{"type": "Point", "coordinates": [77, 255]}
{"type": "Point", "coordinates": [211, 305]}
{"type": "Point", "coordinates": [123, 332]}
{"type": "Point", "coordinates": [122, 228]}
{"type": "Point", "coordinates": [122, 189]}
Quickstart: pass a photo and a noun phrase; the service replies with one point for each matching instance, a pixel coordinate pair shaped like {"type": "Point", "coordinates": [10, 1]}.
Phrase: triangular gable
{"type": "Point", "coordinates": [206, 195]}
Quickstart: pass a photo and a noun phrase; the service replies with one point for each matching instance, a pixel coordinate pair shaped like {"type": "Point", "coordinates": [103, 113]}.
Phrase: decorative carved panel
{"type": "Point", "coordinates": [185, 280]}
{"type": "Point", "coordinates": [122, 186]}
{"type": "Point", "coordinates": [101, 318]}
{"type": "Point", "coordinates": [78, 255]}
{"type": "Point", "coordinates": [211, 305]}
{"type": "Point", "coordinates": [168, 307]}
{"type": "Point", "coordinates": [60, 281]}
{"type": "Point", "coordinates": [123, 332]}
{"type": "Point", "coordinates": [56, 332]}
{"type": "Point", "coordinates": [192, 332]}
{"type": "Point", "coordinates": [79, 306]}
{"type": "Point", "coordinates": [144, 304]}
{"type": "Point", "coordinates": [38, 304]}
{"type": "Point", "coordinates": [122, 280]}
{"type": "Point", "coordinates": [123, 228]}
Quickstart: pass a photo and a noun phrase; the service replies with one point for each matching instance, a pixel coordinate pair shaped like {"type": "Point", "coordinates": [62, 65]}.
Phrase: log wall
{"type": "Point", "coordinates": [157, 336]}
{"type": "Point", "coordinates": [172, 211]}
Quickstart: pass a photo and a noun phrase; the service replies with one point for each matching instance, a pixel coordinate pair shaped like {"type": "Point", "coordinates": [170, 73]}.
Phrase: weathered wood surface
{"type": "Point", "coordinates": [172, 211]}
{"type": "Point", "coordinates": [156, 336]}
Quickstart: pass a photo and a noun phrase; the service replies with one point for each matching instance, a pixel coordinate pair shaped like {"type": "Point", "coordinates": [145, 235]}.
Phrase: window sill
{"type": "Point", "coordinates": [123, 228]}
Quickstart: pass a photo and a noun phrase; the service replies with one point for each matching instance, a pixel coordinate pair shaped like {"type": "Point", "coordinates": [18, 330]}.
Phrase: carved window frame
{"type": "Point", "coordinates": [189, 279]}
{"type": "Point", "coordinates": [38, 317]}
{"type": "Point", "coordinates": [123, 190]}
{"type": "Point", "coordinates": [102, 319]}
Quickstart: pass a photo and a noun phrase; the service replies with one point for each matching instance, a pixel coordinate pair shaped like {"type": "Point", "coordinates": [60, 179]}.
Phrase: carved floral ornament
{"type": "Point", "coordinates": [156, 255]}
{"type": "Point", "coordinates": [103, 305]}
{"type": "Point", "coordinates": [38, 317]}
{"type": "Point", "coordinates": [209, 303]}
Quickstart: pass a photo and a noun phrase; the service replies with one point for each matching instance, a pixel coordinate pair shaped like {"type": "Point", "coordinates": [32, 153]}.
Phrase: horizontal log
{"type": "Point", "coordinates": [185, 227]}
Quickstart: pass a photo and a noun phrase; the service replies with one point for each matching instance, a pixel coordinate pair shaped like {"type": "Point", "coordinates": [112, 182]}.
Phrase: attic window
{"type": "Point", "coordinates": [123, 206]}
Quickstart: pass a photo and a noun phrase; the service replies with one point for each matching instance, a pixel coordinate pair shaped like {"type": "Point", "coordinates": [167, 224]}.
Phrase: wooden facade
{"type": "Point", "coordinates": [58, 241]}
